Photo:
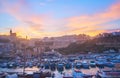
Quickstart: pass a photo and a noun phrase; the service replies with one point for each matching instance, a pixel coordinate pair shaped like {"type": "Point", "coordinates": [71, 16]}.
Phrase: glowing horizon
{"type": "Point", "coordinates": [51, 18]}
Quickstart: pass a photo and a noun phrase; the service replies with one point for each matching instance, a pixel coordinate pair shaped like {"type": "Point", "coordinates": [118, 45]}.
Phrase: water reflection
{"type": "Point", "coordinates": [91, 71]}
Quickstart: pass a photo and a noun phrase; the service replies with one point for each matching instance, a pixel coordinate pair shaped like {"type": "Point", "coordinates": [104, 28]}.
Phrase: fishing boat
{"type": "Point", "coordinates": [68, 66]}
{"type": "Point", "coordinates": [46, 65]}
{"type": "Point", "coordinates": [42, 65]}
{"type": "Point", "coordinates": [20, 65]}
{"type": "Point", "coordinates": [60, 67]}
{"type": "Point", "coordinates": [52, 66]}
{"type": "Point", "coordinates": [2, 75]}
{"type": "Point", "coordinates": [85, 65]}
{"type": "Point", "coordinates": [30, 64]}
{"type": "Point", "coordinates": [10, 65]}
{"type": "Point", "coordinates": [108, 74]}
{"type": "Point", "coordinates": [36, 75]}
{"type": "Point", "coordinates": [4, 65]}
{"type": "Point", "coordinates": [115, 61]}
{"type": "Point", "coordinates": [100, 64]}
{"type": "Point", "coordinates": [78, 65]}
{"type": "Point", "coordinates": [38, 65]}
{"type": "Point", "coordinates": [109, 64]}
{"type": "Point", "coordinates": [92, 63]}
{"type": "Point", "coordinates": [79, 74]}
{"type": "Point", "coordinates": [12, 76]}
{"type": "Point", "coordinates": [67, 75]}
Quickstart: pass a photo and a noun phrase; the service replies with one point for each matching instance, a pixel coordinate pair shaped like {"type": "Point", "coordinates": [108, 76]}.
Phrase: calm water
{"type": "Point", "coordinates": [91, 71]}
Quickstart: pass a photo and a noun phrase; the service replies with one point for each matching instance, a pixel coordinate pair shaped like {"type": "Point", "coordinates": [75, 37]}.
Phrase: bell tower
{"type": "Point", "coordinates": [10, 31]}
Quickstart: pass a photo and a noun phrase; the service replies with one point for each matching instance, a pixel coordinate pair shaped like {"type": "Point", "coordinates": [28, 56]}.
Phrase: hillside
{"type": "Point", "coordinates": [98, 44]}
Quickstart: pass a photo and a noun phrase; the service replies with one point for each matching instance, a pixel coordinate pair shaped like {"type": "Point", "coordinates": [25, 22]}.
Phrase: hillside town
{"type": "Point", "coordinates": [59, 38]}
{"type": "Point", "coordinates": [59, 53]}
{"type": "Point", "coordinates": [13, 44]}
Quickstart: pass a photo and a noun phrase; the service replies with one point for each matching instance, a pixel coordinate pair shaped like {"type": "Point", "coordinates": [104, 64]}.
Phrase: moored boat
{"type": "Point", "coordinates": [46, 65]}
{"type": "Point", "coordinates": [60, 67]}
{"type": "Point", "coordinates": [108, 74]}
{"type": "Point", "coordinates": [100, 64]}
{"type": "Point", "coordinates": [67, 75]}
{"type": "Point", "coordinates": [109, 64]}
{"type": "Point", "coordinates": [52, 66]}
{"type": "Point", "coordinates": [79, 74]}
{"type": "Point", "coordinates": [68, 66]}
{"type": "Point", "coordinates": [4, 65]}
{"type": "Point", "coordinates": [78, 65]}
{"type": "Point", "coordinates": [85, 65]}
{"type": "Point", "coordinates": [92, 63]}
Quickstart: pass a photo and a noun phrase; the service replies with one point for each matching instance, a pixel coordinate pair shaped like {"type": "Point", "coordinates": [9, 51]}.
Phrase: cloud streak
{"type": "Point", "coordinates": [90, 24]}
{"type": "Point", "coordinates": [40, 25]}
{"type": "Point", "coordinates": [21, 12]}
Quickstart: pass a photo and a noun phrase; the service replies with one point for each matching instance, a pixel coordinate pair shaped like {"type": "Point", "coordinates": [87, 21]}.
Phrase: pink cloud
{"type": "Point", "coordinates": [15, 9]}
{"type": "Point", "coordinates": [91, 23]}
{"type": "Point", "coordinates": [39, 25]}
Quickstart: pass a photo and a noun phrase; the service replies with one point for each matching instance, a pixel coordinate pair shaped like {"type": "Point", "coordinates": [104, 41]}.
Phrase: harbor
{"type": "Point", "coordinates": [59, 38]}
{"type": "Point", "coordinates": [70, 66]}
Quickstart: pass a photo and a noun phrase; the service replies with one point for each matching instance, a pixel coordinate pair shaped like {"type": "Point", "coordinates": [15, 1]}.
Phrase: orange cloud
{"type": "Point", "coordinates": [42, 25]}
{"type": "Point", "coordinates": [91, 24]}
{"type": "Point", "coordinates": [33, 25]}
{"type": "Point", "coordinates": [31, 33]}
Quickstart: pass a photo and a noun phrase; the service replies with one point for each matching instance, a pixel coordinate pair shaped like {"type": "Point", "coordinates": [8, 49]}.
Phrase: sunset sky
{"type": "Point", "coordinates": [40, 18]}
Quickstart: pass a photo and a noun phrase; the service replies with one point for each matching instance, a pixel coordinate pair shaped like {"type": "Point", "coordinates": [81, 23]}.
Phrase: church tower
{"type": "Point", "coordinates": [12, 34]}
{"type": "Point", "coordinates": [10, 31]}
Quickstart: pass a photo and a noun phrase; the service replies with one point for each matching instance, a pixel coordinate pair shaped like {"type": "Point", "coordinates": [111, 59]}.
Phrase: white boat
{"type": "Point", "coordinates": [108, 74]}
{"type": "Point", "coordinates": [79, 74]}
{"type": "Point", "coordinates": [85, 65]}
{"type": "Point", "coordinates": [67, 75]}
{"type": "Point", "coordinates": [92, 63]}
{"type": "Point", "coordinates": [78, 65]}
{"type": "Point", "coordinates": [12, 76]}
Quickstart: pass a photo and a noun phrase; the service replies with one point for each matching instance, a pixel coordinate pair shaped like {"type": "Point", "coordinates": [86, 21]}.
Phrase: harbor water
{"type": "Point", "coordinates": [90, 71]}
